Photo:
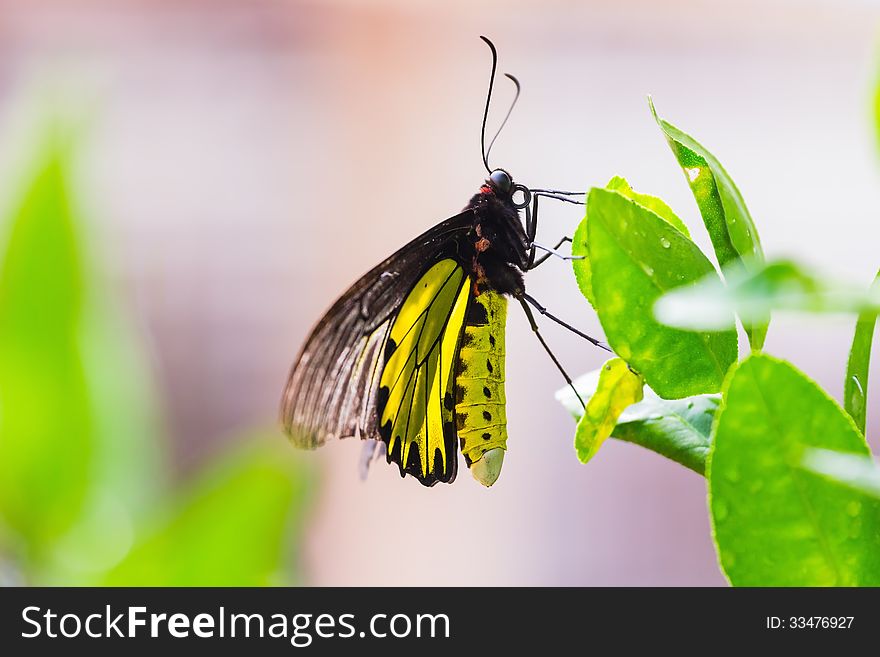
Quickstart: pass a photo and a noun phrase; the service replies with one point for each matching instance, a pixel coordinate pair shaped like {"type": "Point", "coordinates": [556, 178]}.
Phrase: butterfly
{"type": "Point", "coordinates": [411, 357]}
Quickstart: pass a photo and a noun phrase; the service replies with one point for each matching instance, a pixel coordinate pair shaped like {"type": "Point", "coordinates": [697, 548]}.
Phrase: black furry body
{"type": "Point", "coordinates": [497, 253]}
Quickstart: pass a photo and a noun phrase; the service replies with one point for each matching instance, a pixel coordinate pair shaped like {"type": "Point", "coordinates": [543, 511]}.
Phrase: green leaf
{"type": "Point", "coordinates": [46, 422]}
{"type": "Point", "coordinates": [858, 473]}
{"type": "Point", "coordinates": [855, 385]}
{"type": "Point", "coordinates": [583, 271]}
{"type": "Point", "coordinates": [231, 528]}
{"type": "Point", "coordinates": [618, 387]}
{"type": "Point", "coordinates": [779, 285]}
{"type": "Point", "coordinates": [730, 226]}
{"type": "Point", "coordinates": [678, 429]}
{"type": "Point", "coordinates": [581, 267]}
{"type": "Point", "coordinates": [656, 205]}
{"type": "Point", "coordinates": [636, 257]}
{"type": "Point", "coordinates": [876, 109]}
{"type": "Point", "coordinates": [774, 524]}
{"type": "Point", "coordinates": [79, 454]}
{"type": "Point", "coordinates": [127, 475]}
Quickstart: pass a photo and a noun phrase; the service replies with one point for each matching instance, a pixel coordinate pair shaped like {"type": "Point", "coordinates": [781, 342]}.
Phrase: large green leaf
{"type": "Point", "coordinates": [233, 527]}
{"type": "Point", "coordinates": [581, 266]}
{"type": "Point", "coordinates": [780, 285]}
{"type": "Point", "coordinates": [617, 388]}
{"type": "Point", "coordinates": [636, 257]}
{"type": "Point", "coordinates": [656, 205]}
{"type": "Point", "coordinates": [775, 524]}
{"type": "Point", "coordinates": [855, 385]}
{"type": "Point", "coordinates": [730, 226]}
{"type": "Point", "coordinates": [678, 429]}
{"type": "Point", "coordinates": [47, 425]}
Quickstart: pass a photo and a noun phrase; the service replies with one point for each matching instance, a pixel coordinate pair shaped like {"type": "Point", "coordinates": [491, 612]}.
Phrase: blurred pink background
{"type": "Point", "coordinates": [244, 162]}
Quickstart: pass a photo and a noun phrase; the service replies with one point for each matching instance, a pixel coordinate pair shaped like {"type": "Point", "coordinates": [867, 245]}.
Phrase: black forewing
{"type": "Point", "coordinates": [332, 388]}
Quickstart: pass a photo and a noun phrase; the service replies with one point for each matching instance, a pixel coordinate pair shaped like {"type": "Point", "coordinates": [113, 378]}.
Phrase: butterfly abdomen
{"type": "Point", "coordinates": [480, 403]}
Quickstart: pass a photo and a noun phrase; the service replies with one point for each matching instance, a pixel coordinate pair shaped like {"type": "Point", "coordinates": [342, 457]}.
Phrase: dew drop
{"type": "Point", "coordinates": [648, 269]}
{"type": "Point", "coordinates": [858, 383]}
{"type": "Point", "coordinates": [664, 243]}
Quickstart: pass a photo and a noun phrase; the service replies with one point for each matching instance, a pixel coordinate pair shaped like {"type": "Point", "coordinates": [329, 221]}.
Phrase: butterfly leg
{"type": "Point", "coordinates": [541, 309]}
{"type": "Point", "coordinates": [534, 325]}
{"type": "Point", "coordinates": [532, 223]}
{"type": "Point", "coordinates": [551, 251]}
{"type": "Point", "coordinates": [558, 192]}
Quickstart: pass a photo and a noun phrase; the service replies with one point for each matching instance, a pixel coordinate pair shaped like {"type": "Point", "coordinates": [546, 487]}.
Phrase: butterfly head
{"type": "Point", "coordinates": [501, 182]}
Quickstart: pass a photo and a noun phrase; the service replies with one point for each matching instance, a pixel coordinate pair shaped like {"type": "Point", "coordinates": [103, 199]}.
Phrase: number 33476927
{"type": "Point", "coordinates": [810, 622]}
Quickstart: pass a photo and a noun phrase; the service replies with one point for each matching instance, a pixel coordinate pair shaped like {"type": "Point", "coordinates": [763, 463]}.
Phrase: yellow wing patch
{"type": "Point", "coordinates": [415, 405]}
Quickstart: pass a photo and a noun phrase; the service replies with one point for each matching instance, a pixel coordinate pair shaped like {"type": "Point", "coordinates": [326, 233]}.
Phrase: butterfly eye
{"type": "Point", "coordinates": [520, 202]}
{"type": "Point", "coordinates": [500, 179]}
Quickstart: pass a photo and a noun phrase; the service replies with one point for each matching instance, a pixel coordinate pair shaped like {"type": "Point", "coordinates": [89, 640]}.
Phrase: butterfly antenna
{"type": "Point", "coordinates": [504, 122]}
{"type": "Point", "coordinates": [488, 101]}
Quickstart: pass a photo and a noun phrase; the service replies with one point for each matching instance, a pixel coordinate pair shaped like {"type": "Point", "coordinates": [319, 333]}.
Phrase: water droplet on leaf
{"type": "Point", "coordinates": [858, 383]}
{"type": "Point", "coordinates": [664, 243]}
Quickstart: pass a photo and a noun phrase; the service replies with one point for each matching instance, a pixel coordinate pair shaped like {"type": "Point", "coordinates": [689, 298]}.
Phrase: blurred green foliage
{"type": "Point", "coordinates": [47, 423]}
{"type": "Point", "coordinates": [231, 527]}
{"type": "Point", "coordinates": [83, 498]}
{"type": "Point", "coordinates": [756, 291]}
{"type": "Point", "coordinates": [875, 106]}
{"type": "Point", "coordinates": [857, 472]}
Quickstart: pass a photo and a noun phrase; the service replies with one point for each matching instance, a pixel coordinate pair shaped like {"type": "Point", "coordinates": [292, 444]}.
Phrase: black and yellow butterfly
{"type": "Point", "coordinates": [412, 355]}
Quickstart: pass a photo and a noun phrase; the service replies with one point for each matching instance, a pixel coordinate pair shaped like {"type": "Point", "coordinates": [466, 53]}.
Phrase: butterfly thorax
{"type": "Point", "coordinates": [498, 250]}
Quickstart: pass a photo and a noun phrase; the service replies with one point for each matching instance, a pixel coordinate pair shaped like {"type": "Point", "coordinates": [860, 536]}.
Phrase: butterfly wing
{"type": "Point", "coordinates": [415, 401]}
{"type": "Point", "coordinates": [333, 387]}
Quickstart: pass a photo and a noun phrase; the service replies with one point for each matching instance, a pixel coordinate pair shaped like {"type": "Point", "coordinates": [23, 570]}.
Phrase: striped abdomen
{"type": "Point", "coordinates": [480, 414]}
